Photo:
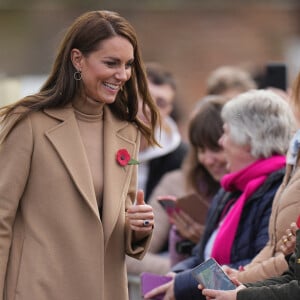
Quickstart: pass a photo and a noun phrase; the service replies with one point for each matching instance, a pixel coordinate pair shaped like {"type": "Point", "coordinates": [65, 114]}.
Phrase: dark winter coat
{"type": "Point", "coordinates": [285, 287]}
{"type": "Point", "coordinates": [251, 235]}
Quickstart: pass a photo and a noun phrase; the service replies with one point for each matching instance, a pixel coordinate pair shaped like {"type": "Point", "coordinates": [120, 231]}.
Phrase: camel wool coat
{"type": "Point", "coordinates": [53, 243]}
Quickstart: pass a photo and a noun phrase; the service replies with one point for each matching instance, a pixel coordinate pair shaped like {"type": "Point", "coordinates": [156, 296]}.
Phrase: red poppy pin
{"type": "Point", "coordinates": [124, 159]}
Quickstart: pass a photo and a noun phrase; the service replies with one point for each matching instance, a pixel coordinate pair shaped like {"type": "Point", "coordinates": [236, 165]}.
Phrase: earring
{"type": "Point", "coordinates": [77, 75]}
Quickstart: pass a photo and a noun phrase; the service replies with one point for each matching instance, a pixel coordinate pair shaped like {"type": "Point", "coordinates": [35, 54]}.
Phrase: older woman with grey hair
{"type": "Point", "coordinates": [270, 262]}
{"type": "Point", "coordinates": [257, 128]}
{"type": "Point", "coordinates": [259, 119]}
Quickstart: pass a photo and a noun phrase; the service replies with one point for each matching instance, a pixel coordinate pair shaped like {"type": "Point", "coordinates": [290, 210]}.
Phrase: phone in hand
{"type": "Point", "coordinates": [192, 204]}
{"type": "Point", "coordinates": [211, 276]}
{"type": "Point", "coordinates": [168, 202]}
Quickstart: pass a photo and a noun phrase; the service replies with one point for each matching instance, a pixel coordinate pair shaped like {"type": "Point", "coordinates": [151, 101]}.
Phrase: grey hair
{"type": "Point", "coordinates": [261, 119]}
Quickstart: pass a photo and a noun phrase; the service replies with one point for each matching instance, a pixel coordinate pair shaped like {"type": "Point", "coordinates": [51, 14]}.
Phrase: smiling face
{"type": "Point", "coordinates": [214, 162]}
{"type": "Point", "coordinates": [103, 72]}
{"type": "Point", "coordinates": [237, 156]}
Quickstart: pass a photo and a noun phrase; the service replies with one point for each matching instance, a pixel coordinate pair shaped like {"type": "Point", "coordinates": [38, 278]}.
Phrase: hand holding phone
{"type": "Point", "coordinates": [168, 202]}
{"type": "Point", "coordinates": [211, 276]}
{"type": "Point", "coordinates": [192, 204]}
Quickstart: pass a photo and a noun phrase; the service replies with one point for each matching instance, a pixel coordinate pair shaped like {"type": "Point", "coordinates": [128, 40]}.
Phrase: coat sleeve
{"type": "Point", "coordinates": [271, 266]}
{"type": "Point", "coordinates": [276, 288]}
{"type": "Point", "coordinates": [286, 286]}
{"type": "Point", "coordinates": [270, 262]}
{"type": "Point", "coordinates": [154, 261]}
{"type": "Point", "coordinates": [134, 248]}
{"type": "Point", "coordinates": [287, 291]}
{"type": "Point", "coordinates": [15, 158]}
{"type": "Point", "coordinates": [186, 287]}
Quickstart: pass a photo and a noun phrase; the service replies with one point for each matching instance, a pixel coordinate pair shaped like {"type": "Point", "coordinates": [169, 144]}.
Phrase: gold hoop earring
{"type": "Point", "coordinates": [77, 75]}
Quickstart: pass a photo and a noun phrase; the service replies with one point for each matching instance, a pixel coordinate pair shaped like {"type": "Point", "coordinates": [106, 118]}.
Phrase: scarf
{"type": "Point", "coordinates": [247, 180]}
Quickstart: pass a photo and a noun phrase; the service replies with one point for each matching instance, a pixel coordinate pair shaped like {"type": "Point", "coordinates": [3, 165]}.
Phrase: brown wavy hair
{"type": "Point", "coordinates": [204, 131]}
{"type": "Point", "coordinates": [86, 34]}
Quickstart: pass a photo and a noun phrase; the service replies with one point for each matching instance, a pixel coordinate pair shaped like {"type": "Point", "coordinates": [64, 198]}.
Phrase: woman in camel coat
{"type": "Point", "coordinates": [68, 173]}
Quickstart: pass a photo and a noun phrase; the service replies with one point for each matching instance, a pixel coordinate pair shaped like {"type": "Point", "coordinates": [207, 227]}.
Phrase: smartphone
{"type": "Point", "coordinates": [149, 281]}
{"type": "Point", "coordinates": [276, 76]}
{"type": "Point", "coordinates": [192, 204]}
{"type": "Point", "coordinates": [211, 276]}
{"type": "Point", "coordinates": [168, 202]}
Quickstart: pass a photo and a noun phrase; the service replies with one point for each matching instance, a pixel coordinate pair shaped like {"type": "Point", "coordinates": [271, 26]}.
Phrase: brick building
{"type": "Point", "coordinates": [189, 37]}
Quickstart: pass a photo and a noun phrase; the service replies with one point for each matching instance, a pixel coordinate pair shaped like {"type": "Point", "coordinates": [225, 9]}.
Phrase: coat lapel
{"type": "Point", "coordinates": [117, 135]}
{"type": "Point", "coordinates": [66, 140]}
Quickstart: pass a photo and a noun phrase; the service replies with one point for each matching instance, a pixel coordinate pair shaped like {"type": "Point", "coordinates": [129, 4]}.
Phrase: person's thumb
{"type": "Point", "coordinates": [140, 197]}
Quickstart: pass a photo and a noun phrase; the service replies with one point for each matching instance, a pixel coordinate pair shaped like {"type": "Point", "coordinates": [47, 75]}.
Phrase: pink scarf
{"type": "Point", "coordinates": [247, 180]}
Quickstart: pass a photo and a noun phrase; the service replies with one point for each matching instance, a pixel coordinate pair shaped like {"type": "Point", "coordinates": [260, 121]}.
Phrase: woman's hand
{"type": "Point", "coordinates": [288, 241]}
{"type": "Point", "coordinates": [140, 216]}
{"type": "Point", "coordinates": [167, 289]}
{"type": "Point", "coordinates": [222, 295]}
{"type": "Point", "coordinates": [186, 226]}
{"type": "Point", "coordinates": [231, 273]}
{"type": "Point", "coordinates": [219, 295]}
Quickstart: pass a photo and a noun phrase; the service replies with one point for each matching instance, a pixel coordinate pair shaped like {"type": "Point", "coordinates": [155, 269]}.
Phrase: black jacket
{"type": "Point", "coordinates": [284, 287]}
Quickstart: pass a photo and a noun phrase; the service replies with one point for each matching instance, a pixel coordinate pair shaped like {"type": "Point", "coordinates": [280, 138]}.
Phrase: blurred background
{"type": "Point", "coordinates": [189, 37]}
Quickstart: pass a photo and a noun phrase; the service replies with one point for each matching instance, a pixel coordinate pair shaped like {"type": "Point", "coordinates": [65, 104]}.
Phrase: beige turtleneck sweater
{"type": "Point", "coordinates": [91, 131]}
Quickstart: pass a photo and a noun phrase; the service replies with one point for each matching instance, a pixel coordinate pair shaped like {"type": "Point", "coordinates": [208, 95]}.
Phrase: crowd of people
{"type": "Point", "coordinates": [255, 154]}
{"type": "Point", "coordinates": [85, 160]}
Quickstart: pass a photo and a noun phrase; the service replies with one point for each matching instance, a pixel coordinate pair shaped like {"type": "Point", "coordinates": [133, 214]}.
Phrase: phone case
{"type": "Point", "coordinates": [211, 276]}
{"type": "Point", "coordinates": [194, 206]}
{"type": "Point", "coordinates": [149, 281]}
{"type": "Point", "coordinates": [168, 203]}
